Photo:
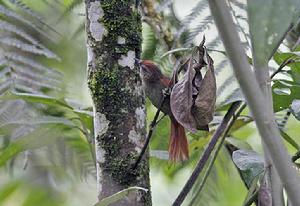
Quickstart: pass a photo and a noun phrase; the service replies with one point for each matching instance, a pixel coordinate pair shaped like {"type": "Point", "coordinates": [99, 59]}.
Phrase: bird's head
{"type": "Point", "coordinates": [148, 70]}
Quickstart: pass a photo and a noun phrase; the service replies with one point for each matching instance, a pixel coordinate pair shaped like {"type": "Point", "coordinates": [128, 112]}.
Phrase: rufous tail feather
{"type": "Point", "coordinates": [178, 145]}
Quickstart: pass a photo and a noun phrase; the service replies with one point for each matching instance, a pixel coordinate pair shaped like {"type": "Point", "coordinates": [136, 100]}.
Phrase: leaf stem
{"type": "Point", "coordinates": [283, 64]}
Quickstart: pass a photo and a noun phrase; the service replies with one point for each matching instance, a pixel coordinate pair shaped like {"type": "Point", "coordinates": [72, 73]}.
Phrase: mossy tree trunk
{"type": "Point", "coordinates": [113, 41]}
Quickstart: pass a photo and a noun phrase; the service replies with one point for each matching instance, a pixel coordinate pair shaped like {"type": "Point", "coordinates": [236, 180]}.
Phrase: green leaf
{"type": "Point", "coordinates": [160, 134]}
{"type": "Point", "coordinates": [284, 92]}
{"type": "Point", "coordinates": [250, 163]}
{"type": "Point", "coordinates": [287, 138]}
{"type": "Point", "coordinates": [41, 196]}
{"type": "Point", "coordinates": [295, 72]}
{"type": "Point", "coordinates": [280, 57]}
{"type": "Point", "coordinates": [238, 143]}
{"type": "Point", "coordinates": [295, 65]}
{"type": "Point", "coordinates": [264, 21]}
{"type": "Point", "coordinates": [295, 107]}
{"type": "Point", "coordinates": [119, 196]}
{"type": "Point", "coordinates": [9, 152]}
{"type": "Point", "coordinates": [240, 122]}
{"type": "Point", "coordinates": [252, 192]}
{"type": "Point", "coordinates": [150, 42]}
{"type": "Point", "coordinates": [7, 190]}
{"type": "Point", "coordinates": [39, 121]}
{"type": "Point", "coordinates": [43, 99]}
{"type": "Point", "coordinates": [41, 136]}
{"type": "Point", "coordinates": [86, 117]}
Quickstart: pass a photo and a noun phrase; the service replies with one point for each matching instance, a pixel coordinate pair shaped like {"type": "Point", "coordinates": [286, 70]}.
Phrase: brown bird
{"type": "Point", "coordinates": [154, 83]}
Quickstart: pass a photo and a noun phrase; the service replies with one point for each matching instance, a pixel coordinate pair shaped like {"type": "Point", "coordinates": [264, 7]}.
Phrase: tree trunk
{"type": "Point", "coordinates": [113, 41]}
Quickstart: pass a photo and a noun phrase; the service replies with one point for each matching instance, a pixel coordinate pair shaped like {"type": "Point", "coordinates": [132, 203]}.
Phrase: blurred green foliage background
{"type": "Point", "coordinates": [45, 155]}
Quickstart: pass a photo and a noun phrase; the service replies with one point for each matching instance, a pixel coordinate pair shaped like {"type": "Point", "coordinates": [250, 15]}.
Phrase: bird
{"type": "Point", "coordinates": [154, 83]}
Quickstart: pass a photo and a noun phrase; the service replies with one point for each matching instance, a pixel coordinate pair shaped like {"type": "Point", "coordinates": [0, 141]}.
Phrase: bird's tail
{"type": "Point", "coordinates": [178, 145]}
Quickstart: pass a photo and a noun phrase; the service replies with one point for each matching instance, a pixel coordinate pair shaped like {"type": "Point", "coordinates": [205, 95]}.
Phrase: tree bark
{"type": "Point", "coordinates": [113, 41]}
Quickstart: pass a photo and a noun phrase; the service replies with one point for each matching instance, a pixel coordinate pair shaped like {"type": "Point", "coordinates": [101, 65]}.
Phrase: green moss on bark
{"type": "Point", "coordinates": [105, 87]}
{"type": "Point", "coordinates": [120, 19]}
{"type": "Point", "coordinates": [114, 92]}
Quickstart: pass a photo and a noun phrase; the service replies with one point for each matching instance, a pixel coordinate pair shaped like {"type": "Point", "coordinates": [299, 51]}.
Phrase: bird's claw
{"type": "Point", "coordinates": [166, 92]}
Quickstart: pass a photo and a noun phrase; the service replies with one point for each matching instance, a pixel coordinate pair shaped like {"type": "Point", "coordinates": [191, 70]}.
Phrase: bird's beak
{"type": "Point", "coordinates": [138, 61]}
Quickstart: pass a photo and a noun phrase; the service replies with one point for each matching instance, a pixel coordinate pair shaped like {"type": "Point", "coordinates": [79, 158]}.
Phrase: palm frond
{"type": "Point", "coordinates": [239, 4]}
{"type": "Point", "coordinates": [164, 5]}
{"type": "Point", "coordinates": [196, 11]}
{"type": "Point", "coordinates": [225, 84]}
{"type": "Point", "coordinates": [8, 13]}
{"type": "Point", "coordinates": [149, 43]}
{"type": "Point", "coordinates": [236, 95]}
{"type": "Point", "coordinates": [220, 66]}
{"type": "Point", "coordinates": [25, 66]}
{"type": "Point", "coordinates": [204, 25]}
{"type": "Point", "coordinates": [70, 7]}
{"type": "Point", "coordinates": [18, 44]}
{"type": "Point", "coordinates": [214, 43]}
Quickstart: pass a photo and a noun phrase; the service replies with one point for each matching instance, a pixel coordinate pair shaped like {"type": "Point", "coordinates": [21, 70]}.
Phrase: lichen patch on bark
{"type": "Point", "coordinates": [99, 183]}
{"type": "Point", "coordinates": [140, 115]}
{"type": "Point", "coordinates": [101, 124]}
{"type": "Point", "coordinates": [95, 13]}
{"type": "Point", "coordinates": [90, 56]}
{"type": "Point", "coordinates": [121, 40]}
{"type": "Point", "coordinates": [135, 138]}
{"type": "Point", "coordinates": [127, 60]}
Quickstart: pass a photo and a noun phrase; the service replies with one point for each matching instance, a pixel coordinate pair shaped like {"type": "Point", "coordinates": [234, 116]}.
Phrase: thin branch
{"type": "Point", "coordinates": [282, 38]}
{"type": "Point", "coordinates": [205, 155]}
{"type": "Point", "coordinates": [152, 126]}
{"type": "Point", "coordinates": [296, 156]}
{"type": "Point", "coordinates": [160, 119]}
{"type": "Point", "coordinates": [283, 64]}
{"type": "Point", "coordinates": [264, 118]}
{"type": "Point", "coordinates": [214, 156]}
{"type": "Point", "coordinates": [296, 44]}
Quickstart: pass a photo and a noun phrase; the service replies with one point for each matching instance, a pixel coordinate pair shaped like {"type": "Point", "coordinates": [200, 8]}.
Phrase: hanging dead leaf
{"type": "Point", "coordinates": [193, 97]}
{"type": "Point", "coordinates": [203, 109]}
{"type": "Point", "coordinates": [181, 100]}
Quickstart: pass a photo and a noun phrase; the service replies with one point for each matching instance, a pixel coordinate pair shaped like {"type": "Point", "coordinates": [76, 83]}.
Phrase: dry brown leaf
{"type": "Point", "coordinates": [181, 100]}
{"type": "Point", "coordinates": [193, 98]}
{"type": "Point", "coordinates": [203, 109]}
